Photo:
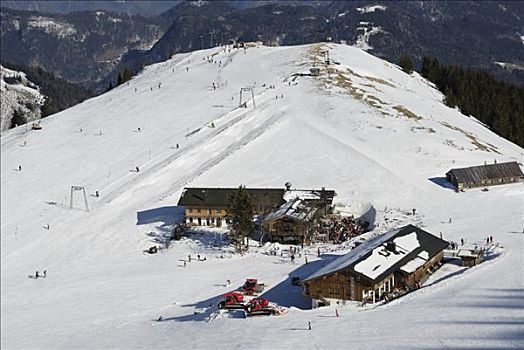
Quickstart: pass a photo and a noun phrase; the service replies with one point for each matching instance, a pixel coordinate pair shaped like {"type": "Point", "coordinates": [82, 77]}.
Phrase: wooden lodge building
{"type": "Point", "coordinates": [208, 206]}
{"type": "Point", "coordinates": [293, 222]}
{"type": "Point", "coordinates": [485, 175]}
{"type": "Point", "coordinates": [291, 211]}
{"type": "Point", "coordinates": [395, 260]}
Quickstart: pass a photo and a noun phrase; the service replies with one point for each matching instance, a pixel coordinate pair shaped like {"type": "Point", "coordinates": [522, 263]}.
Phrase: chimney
{"type": "Point", "coordinates": [391, 246]}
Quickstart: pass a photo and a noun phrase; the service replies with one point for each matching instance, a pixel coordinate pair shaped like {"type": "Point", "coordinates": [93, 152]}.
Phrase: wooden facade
{"type": "Point", "coordinates": [286, 230]}
{"type": "Point", "coordinates": [206, 216]}
{"type": "Point", "coordinates": [348, 278]}
{"type": "Point", "coordinates": [470, 257]}
{"type": "Point", "coordinates": [209, 206]}
{"type": "Point", "coordinates": [349, 285]}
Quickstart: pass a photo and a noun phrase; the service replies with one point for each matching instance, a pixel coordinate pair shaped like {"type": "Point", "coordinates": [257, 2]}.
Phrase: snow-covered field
{"type": "Point", "coordinates": [364, 128]}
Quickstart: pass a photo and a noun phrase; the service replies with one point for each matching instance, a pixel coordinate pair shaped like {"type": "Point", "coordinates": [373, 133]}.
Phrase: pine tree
{"type": "Point", "coordinates": [119, 80]}
{"type": "Point", "coordinates": [110, 87]}
{"type": "Point", "coordinates": [406, 63]}
{"type": "Point", "coordinates": [127, 74]}
{"type": "Point", "coordinates": [240, 213]}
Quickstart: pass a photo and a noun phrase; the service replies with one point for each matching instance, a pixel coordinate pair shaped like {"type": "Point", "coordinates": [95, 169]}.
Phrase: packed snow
{"type": "Point", "coordinates": [363, 128]}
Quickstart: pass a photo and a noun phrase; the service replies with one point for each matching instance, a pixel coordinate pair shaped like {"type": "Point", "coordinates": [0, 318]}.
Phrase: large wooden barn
{"type": "Point", "coordinates": [208, 206]}
{"type": "Point", "coordinates": [485, 175]}
{"type": "Point", "coordinates": [398, 259]}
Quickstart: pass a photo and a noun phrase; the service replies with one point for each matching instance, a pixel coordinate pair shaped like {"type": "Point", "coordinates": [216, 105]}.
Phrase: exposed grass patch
{"type": "Point", "coordinates": [422, 128]}
{"type": "Point", "coordinates": [473, 139]}
{"type": "Point", "coordinates": [407, 113]}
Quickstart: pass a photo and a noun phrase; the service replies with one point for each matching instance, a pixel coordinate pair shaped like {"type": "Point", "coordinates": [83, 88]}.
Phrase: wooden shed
{"type": "Point", "coordinates": [470, 257]}
{"type": "Point", "coordinates": [396, 260]}
{"type": "Point", "coordinates": [485, 175]}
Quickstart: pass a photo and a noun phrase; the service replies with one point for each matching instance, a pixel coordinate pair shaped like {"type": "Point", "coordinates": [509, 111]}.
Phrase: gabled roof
{"type": "Point", "coordinates": [295, 209]}
{"type": "Point", "coordinates": [374, 260]}
{"type": "Point", "coordinates": [199, 196]}
{"type": "Point", "coordinates": [475, 174]}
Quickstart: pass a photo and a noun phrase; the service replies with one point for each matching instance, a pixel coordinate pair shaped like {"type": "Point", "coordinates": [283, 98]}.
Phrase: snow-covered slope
{"type": "Point", "coordinates": [18, 95]}
{"type": "Point", "coordinates": [364, 128]}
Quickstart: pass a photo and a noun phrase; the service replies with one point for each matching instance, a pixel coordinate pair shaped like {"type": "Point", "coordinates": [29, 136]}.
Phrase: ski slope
{"type": "Point", "coordinates": [364, 128]}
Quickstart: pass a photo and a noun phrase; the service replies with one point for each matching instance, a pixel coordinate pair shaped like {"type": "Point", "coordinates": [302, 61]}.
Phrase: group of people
{"type": "Point", "coordinates": [341, 229]}
{"type": "Point", "coordinates": [37, 274]}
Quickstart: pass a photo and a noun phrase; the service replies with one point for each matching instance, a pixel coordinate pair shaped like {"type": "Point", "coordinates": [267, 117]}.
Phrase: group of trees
{"type": "Point", "coordinates": [498, 104]}
{"type": "Point", "coordinates": [122, 78]}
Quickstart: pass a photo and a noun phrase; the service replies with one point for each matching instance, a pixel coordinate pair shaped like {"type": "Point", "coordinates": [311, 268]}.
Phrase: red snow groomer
{"type": "Point", "coordinates": [258, 307]}
{"type": "Point", "coordinates": [251, 287]}
{"type": "Point", "coordinates": [261, 306]}
{"type": "Point", "coordinates": [232, 300]}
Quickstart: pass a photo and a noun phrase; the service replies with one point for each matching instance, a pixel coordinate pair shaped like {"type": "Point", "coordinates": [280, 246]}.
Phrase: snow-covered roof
{"type": "Point", "coordinates": [309, 194]}
{"type": "Point", "coordinates": [378, 257]}
{"type": "Point", "coordinates": [468, 253]}
{"type": "Point", "coordinates": [295, 209]}
{"type": "Point", "coordinates": [412, 265]}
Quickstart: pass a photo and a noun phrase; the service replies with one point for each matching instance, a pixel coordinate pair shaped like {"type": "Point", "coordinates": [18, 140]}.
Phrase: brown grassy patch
{"type": "Point", "coordinates": [473, 139]}
{"type": "Point", "coordinates": [407, 113]}
{"type": "Point", "coordinates": [422, 128]}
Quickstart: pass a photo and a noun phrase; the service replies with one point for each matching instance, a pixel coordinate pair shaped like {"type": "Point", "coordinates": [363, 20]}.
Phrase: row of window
{"type": "Point", "coordinates": [209, 221]}
{"type": "Point", "coordinates": [199, 210]}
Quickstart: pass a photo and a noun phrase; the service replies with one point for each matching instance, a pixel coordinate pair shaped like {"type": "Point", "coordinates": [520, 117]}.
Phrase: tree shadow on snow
{"type": "Point", "coordinates": [442, 182]}
{"type": "Point", "coordinates": [165, 217]}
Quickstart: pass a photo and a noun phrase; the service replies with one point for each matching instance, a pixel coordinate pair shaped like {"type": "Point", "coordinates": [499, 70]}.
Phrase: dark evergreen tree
{"type": "Point", "coordinates": [240, 213]}
{"type": "Point", "coordinates": [127, 74]}
{"type": "Point", "coordinates": [406, 63]}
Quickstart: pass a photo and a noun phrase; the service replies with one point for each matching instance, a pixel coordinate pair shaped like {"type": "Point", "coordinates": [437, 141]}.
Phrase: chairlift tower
{"type": "Point", "coordinates": [79, 188]}
{"type": "Point", "coordinates": [247, 89]}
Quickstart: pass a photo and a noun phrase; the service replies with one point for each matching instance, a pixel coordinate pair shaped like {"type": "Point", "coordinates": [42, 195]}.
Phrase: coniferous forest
{"type": "Point", "coordinates": [496, 103]}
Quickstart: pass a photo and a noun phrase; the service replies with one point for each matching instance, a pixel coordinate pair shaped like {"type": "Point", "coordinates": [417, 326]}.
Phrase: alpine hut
{"type": "Point", "coordinates": [397, 260]}
{"type": "Point", "coordinates": [485, 175]}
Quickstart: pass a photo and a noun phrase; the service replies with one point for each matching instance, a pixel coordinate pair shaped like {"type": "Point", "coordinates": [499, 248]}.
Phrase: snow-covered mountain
{"type": "Point", "coordinates": [364, 128]}
{"type": "Point", "coordinates": [21, 99]}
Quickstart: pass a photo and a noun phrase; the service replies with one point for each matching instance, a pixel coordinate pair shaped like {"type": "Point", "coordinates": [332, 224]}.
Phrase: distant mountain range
{"type": "Point", "coordinates": [91, 48]}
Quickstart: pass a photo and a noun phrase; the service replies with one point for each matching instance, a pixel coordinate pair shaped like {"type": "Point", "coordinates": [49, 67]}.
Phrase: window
{"type": "Point", "coordinates": [198, 210]}
{"type": "Point", "coordinates": [209, 211]}
{"type": "Point", "coordinates": [191, 220]}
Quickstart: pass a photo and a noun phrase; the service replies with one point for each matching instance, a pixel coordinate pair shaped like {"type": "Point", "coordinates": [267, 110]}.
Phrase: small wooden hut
{"type": "Point", "coordinates": [485, 175]}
